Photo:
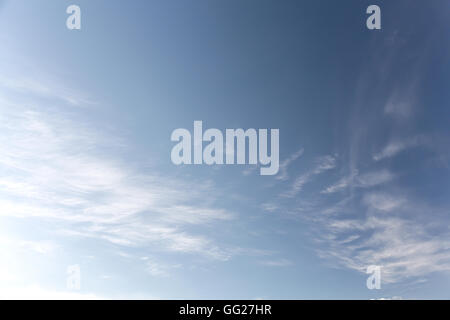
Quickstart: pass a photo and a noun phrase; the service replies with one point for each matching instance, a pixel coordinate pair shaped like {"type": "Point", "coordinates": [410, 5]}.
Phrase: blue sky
{"type": "Point", "coordinates": [85, 171]}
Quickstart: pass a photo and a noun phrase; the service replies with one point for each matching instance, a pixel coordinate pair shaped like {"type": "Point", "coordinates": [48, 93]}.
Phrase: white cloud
{"type": "Point", "coordinates": [402, 247]}
{"type": "Point", "coordinates": [54, 168]}
{"type": "Point", "coordinates": [322, 164]}
{"type": "Point", "coordinates": [325, 163]}
{"type": "Point", "coordinates": [157, 269]}
{"type": "Point", "coordinates": [401, 102]}
{"type": "Point", "coordinates": [383, 202]}
{"type": "Point", "coordinates": [297, 186]}
{"type": "Point", "coordinates": [399, 108]}
{"type": "Point", "coordinates": [356, 180]}
{"type": "Point", "coordinates": [283, 175]}
{"type": "Point", "coordinates": [271, 207]}
{"type": "Point", "coordinates": [396, 146]}
{"type": "Point", "coordinates": [45, 89]}
{"type": "Point", "coordinates": [182, 214]}
{"type": "Point", "coordinates": [391, 298]}
{"type": "Point", "coordinates": [341, 184]}
{"type": "Point", "coordinates": [374, 178]}
{"type": "Point", "coordinates": [42, 247]}
{"type": "Point", "coordinates": [277, 263]}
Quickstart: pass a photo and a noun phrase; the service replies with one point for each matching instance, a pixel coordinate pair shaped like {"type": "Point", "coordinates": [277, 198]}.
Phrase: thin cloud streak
{"type": "Point", "coordinates": [323, 164]}
{"type": "Point", "coordinates": [283, 174]}
{"type": "Point", "coordinates": [356, 180]}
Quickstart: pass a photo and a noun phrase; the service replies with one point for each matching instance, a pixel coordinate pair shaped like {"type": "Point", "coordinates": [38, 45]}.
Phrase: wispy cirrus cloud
{"type": "Point", "coordinates": [403, 101]}
{"type": "Point", "coordinates": [42, 247]}
{"type": "Point", "coordinates": [53, 167]}
{"type": "Point", "coordinates": [395, 147]}
{"type": "Point", "coordinates": [323, 164]}
{"type": "Point", "coordinates": [277, 263]}
{"type": "Point", "coordinates": [342, 183]}
{"type": "Point", "coordinates": [388, 229]}
{"type": "Point", "coordinates": [383, 202]}
{"type": "Point", "coordinates": [403, 248]}
{"type": "Point", "coordinates": [365, 180]}
{"type": "Point", "coordinates": [158, 269]}
{"type": "Point", "coordinates": [283, 174]}
{"type": "Point", "coordinates": [45, 89]}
